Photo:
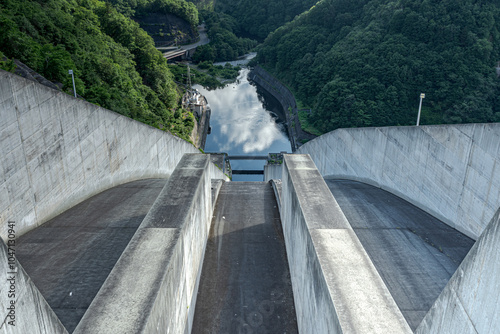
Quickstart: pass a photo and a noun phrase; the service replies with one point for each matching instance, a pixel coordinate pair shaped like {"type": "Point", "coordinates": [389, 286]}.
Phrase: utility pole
{"type": "Point", "coordinates": [189, 78]}
{"type": "Point", "coordinates": [422, 96]}
{"type": "Point", "coordinates": [73, 79]}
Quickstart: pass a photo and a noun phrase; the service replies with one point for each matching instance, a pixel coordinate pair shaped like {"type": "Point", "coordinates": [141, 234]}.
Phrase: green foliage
{"type": "Point", "coordinates": [224, 45]}
{"type": "Point", "coordinates": [259, 17]}
{"type": "Point", "coordinates": [365, 62]}
{"type": "Point", "coordinates": [6, 64]}
{"type": "Point", "coordinates": [115, 62]}
{"type": "Point", "coordinates": [181, 8]}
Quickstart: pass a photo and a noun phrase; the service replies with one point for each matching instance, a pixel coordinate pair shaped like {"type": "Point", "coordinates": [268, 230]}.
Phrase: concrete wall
{"type": "Point", "coordinates": [23, 308]}
{"type": "Point", "coordinates": [57, 151]}
{"type": "Point", "coordinates": [335, 285]}
{"type": "Point", "coordinates": [284, 97]}
{"type": "Point", "coordinates": [153, 286]}
{"type": "Point", "coordinates": [450, 171]}
{"type": "Point", "coordinates": [470, 302]}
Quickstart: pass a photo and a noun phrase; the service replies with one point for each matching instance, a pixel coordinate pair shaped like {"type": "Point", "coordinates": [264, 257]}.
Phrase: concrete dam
{"type": "Point", "coordinates": [111, 226]}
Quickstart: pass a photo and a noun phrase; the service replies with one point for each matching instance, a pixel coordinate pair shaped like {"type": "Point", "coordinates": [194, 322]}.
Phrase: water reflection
{"type": "Point", "coordinates": [241, 125]}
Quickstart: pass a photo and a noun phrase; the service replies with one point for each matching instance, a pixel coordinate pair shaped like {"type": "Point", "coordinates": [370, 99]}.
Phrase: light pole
{"type": "Point", "coordinates": [73, 79]}
{"type": "Point", "coordinates": [422, 96]}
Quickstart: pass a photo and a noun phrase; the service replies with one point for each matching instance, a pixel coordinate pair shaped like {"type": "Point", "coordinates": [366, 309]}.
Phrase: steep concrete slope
{"type": "Point", "coordinates": [415, 253]}
{"type": "Point", "coordinates": [24, 310]}
{"type": "Point", "coordinates": [245, 284]}
{"type": "Point", "coordinates": [470, 303]}
{"type": "Point", "coordinates": [70, 256]}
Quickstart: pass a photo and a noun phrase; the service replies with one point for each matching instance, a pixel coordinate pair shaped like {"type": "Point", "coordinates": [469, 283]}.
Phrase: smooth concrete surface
{"type": "Point", "coordinates": [58, 151]}
{"type": "Point", "coordinates": [450, 171]}
{"type": "Point", "coordinates": [272, 172]}
{"type": "Point", "coordinates": [470, 303]}
{"type": "Point", "coordinates": [23, 308]}
{"type": "Point", "coordinates": [152, 288]}
{"type": "Point", "coordinates": [70, 256]}
{"type": "Point", "coordinates": [336, 287]}
{"type": "Point", "coordinates": [414, 253]}
{"type": "Point", "coordinates": [245, 284]}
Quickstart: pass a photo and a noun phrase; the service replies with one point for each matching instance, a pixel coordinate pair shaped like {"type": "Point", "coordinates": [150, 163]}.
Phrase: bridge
{"type": "Point", "coordinates": [118, 227]}
{"type": "Point", "coordinates": [189, 50]}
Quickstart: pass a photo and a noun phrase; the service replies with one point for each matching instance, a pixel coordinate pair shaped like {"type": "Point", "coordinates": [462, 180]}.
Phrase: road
{"type": "Point", "coordinates": [182, 49]}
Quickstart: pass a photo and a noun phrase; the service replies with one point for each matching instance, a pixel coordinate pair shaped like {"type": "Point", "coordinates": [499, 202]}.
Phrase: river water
{"type": "Point", "coordinates": [244, 121]}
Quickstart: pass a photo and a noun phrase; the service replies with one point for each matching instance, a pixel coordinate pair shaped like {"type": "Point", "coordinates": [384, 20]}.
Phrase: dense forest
{"type": "Point", "coordinates": [181, 8]}
{"type": "Point", "coordinates": [115, 62]}
{"type": "Point", "coordinates": [365, 62]}
{"type": "Point", "coordinates": [257, 18]}
{"type": "Point", "coordinates": [224, 43]}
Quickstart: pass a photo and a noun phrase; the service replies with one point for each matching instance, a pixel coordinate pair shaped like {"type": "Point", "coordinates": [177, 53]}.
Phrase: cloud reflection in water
{"type": "Point", "coordinates": [240, 124]}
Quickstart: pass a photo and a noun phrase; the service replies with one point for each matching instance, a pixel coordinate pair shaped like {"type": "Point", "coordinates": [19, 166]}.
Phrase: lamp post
{"type": "Point", "coordinates": [422, 96]}
{"type": "Point", "coordinates": [73, 79]}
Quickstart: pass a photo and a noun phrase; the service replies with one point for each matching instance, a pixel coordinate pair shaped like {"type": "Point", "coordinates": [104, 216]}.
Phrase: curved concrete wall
{"type": "Point", "coordinates": [57, 151]}
{"type": "Point", "coordinates": [450, 171]}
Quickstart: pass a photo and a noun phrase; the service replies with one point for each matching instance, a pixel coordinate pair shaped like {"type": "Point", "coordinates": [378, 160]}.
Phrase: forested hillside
{"type": "Point", "coordinates": [365, 62]}
{"type": "Point", "coordinates": [260, 17]}
{"type": "Point", "coordinates": [224, 43]}
{"type": "Point", "coordinates": [181, 8]}
{"type": "Point", "coordinates": [115, 62]}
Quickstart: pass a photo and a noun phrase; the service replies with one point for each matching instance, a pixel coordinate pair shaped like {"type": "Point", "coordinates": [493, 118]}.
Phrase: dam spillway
{"type": "Point", "coordinates": [245, 282]}
{"type": "Point", "coordinates": [59, 151]}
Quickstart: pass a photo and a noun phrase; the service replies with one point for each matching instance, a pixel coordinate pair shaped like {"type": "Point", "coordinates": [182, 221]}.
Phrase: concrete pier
{"type": "Point", "coordinates": [336, 287]}
{"type": "Point", "coordinates": [57, 151]}
{"type": "Point", "coordinates": [152, 288]}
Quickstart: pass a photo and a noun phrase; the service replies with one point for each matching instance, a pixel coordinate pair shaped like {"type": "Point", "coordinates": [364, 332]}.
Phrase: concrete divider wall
{"type": "Point", "coordinates": [23, 308]}
{"type": "Point", "coordinates": [56, 151]}
{"type": "Point", "coordinates": [335, 285]}
{"type": "Point", "coordinates": [470, 302]}
{"type": "Point", "coordinates": [272, 172]}
{"type": "Point", "coordinates": [450, 171]}
{"type": "Point", "coordinates": [153, 286]}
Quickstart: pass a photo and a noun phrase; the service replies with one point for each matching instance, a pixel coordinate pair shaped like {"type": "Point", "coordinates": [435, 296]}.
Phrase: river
{"type": "Point", "coordinates": [244, 121]}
